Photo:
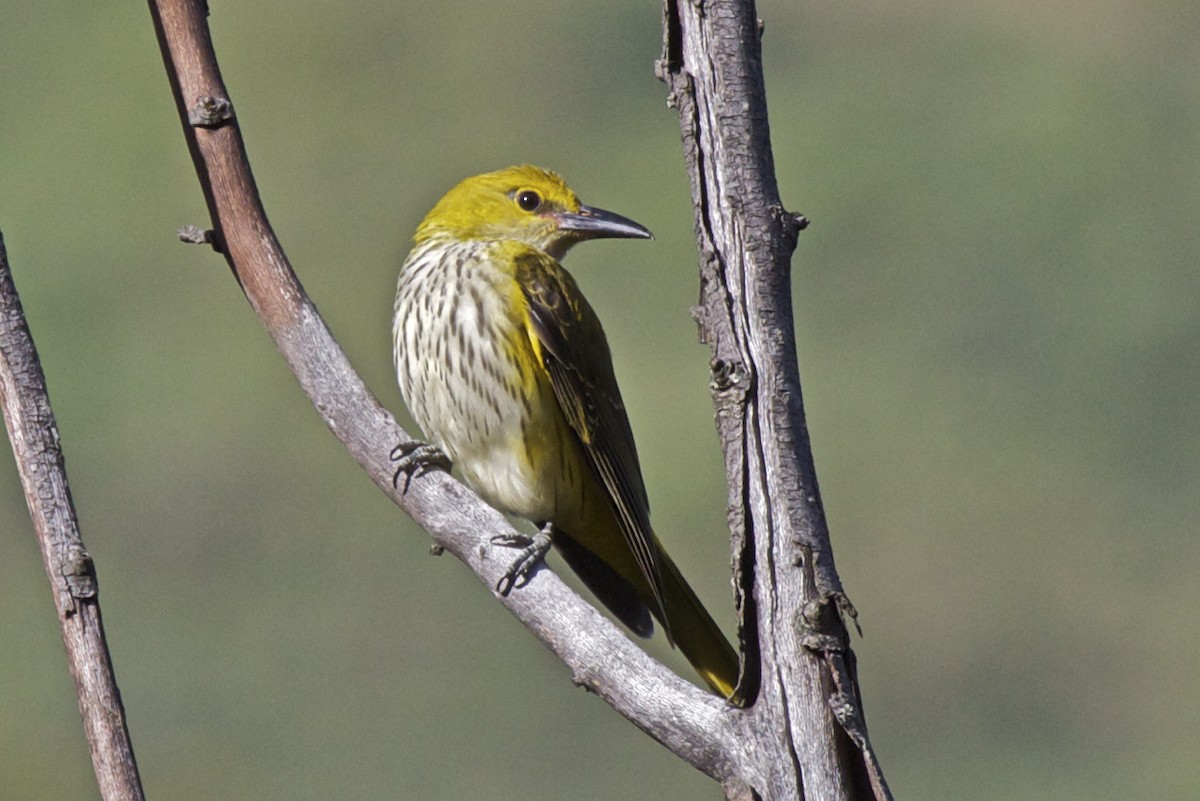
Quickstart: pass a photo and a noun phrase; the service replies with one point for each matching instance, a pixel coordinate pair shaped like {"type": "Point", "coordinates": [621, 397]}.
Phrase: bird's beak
{"type": "Point", "coordinates": [593, 223]}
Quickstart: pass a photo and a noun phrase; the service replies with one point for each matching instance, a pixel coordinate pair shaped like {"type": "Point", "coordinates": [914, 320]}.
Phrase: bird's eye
{"type": "Point", "coordinates": [529, 200]}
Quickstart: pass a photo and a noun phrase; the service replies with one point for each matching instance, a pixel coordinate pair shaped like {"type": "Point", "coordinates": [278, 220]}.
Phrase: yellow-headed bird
{"type": "Point", "coordinates": [505, 367]}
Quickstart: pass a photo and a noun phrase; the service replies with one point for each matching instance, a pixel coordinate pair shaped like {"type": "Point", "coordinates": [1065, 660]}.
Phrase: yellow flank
{"type": "Point", "coordinates": [505, 366]}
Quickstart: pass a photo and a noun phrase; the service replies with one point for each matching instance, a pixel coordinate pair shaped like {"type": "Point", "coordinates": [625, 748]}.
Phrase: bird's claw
{"type": "Point", "coordinates": [413, 459]}
{"type": "Point", "coordinates": [533, 552]}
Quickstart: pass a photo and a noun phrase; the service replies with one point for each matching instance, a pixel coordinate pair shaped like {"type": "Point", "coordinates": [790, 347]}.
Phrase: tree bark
{"type": "Point", "coordinates": [809, 732]}
{"type": "Point", "coordinates": [34, 437]}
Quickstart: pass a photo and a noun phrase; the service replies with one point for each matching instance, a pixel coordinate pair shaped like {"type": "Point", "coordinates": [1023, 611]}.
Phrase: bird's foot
{"type": "Point", "coordinates": [533, 552]}
{"type": "Point", "coordinates": [416, 458]}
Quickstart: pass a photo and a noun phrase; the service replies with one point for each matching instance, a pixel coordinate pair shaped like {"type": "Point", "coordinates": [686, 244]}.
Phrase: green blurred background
{"type": "Point", "coordinates": [996, 315]}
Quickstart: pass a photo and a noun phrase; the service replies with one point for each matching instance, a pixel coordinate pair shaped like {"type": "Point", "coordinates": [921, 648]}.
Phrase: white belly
{"type": "Point", "coordinates": [468, 396]}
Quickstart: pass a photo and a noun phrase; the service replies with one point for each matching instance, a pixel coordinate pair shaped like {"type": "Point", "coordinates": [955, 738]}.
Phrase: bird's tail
{"type": "Point", "coordinates": [697, 635]}
{"type": "Point", "coordinates": [618, 583]}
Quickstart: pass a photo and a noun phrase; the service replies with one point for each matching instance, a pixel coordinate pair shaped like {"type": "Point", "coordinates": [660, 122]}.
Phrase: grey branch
{"type": "Point", "coordinates": [34, 437]}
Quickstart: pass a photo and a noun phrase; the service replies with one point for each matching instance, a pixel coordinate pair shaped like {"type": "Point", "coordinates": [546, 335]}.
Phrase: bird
{"type": "Point", "coordinates": [505, 367]}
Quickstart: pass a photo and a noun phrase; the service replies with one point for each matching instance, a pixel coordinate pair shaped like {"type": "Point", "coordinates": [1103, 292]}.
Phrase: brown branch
{"type": "Point", "coordinates": [808, 735]}
{"type": "Point", "coordinates": [34, 437]}
{"type": "Point", "coordinates": [693, 724]}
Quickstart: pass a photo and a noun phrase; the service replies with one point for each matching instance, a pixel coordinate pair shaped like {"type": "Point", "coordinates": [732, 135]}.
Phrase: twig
{"type": "Point", "coordinates": [34, 437]}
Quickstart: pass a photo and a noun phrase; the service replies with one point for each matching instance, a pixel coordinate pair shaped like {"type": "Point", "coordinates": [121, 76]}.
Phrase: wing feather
{"type": "Point", "coordinates": [575, 354]}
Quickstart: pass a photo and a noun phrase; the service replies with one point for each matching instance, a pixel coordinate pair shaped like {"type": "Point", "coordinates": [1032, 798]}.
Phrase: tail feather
{"type": "Point", "coordinates": [627, 595]}
{"type": "Point", "coordinates": [606, 584]}
{"type": "Point", "coordinates": [697, 635]}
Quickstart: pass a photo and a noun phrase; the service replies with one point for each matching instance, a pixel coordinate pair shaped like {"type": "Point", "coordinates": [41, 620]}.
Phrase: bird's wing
{"type": "Point", "coordinates": [575, 354]}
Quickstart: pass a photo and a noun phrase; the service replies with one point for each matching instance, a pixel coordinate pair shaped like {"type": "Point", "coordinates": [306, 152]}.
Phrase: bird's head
{"type": "Point", "coordinates": [527, 204]}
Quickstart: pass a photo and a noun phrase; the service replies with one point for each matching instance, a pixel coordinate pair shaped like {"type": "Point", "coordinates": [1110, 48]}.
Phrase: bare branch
{"type": "Point", "coordinates": [809, 733]}
{"type": "Point", "coordinates": [690, 722]}
{"type": "Point", "coordinates": [34, 437]}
